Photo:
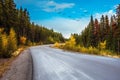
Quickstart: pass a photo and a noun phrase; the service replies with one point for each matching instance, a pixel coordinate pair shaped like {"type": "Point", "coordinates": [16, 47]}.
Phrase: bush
{"type": "Point", "coordinates": [70, 44]}
{"type": "Point", "coordinates": [29, 43]}
{"type": "Point", "coordinates": [8, 44]}
{"type": "Point", "coordinates": [23, 40]}
{"type": "Point", "coordinates": [12, 42]}
{"type": "Point", "coordinates": [102, 45]}
{"type": "Point", "coordinates": [57, 45]}
{"type": "Point", "coordinates": [4, 46]}
{"type": "Point", "coordinates": [93, 50]}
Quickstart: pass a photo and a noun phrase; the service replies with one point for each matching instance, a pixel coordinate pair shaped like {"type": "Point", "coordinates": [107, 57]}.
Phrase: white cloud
{"type": "Point", "coordinates": [65, 25]}
{"type": "Point", "coordinates": [51, 6]}
{"type": "Point", "coordinates": [109, 13]}
{"type": "Point", "coordinates": [115, 6]}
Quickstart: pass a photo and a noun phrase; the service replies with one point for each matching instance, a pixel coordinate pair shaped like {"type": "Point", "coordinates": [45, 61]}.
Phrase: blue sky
{"type": "Point", "coordinates": [67, 16]}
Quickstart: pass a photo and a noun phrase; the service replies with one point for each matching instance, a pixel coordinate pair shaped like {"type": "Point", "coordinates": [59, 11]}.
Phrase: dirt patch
{"type": "Point", "coordinates": [21, 68]}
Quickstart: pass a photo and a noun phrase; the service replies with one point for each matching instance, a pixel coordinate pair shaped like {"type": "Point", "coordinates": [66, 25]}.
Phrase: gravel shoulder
{"type": "Point", "coordinates": [21, 68]}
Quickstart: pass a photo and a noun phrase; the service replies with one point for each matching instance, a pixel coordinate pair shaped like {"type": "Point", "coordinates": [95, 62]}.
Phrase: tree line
{"type": "Point", "coordinates": [26, 32]}
{"type": "Point", "coordinates": [104, 31]}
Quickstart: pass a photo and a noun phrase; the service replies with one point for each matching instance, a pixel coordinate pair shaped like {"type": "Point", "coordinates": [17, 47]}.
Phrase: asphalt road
{"type": "Point", "coordinates": [56, 64]}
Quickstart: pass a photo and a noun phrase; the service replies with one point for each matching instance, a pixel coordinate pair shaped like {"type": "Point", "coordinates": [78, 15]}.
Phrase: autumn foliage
{"type": "Point", "coordinates": [99, 37]}
{"type": "Point", "coordinates": [8, 43]}
{"type": "Point", "coordinates": [70, 44]}
{"type": "Point", "coordinates": [16, 29]}
{"type": "Point", "coordinates": [22, 40]}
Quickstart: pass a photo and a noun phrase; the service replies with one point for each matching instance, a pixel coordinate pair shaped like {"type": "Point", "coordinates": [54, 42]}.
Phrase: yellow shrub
{"type": "Point", "coordinates": [70, 44]}
{"type": "Point", "coordinates": [29, 43]}
{"type": "Point", "coordinates": [4, 43]}
{"type": "Point", "coordinates": [12, 41]}
{"type": "Point", "coordinates": [57, 45]}
{"type": "Point", "coordinates": [102, 45]}
{"type": "Point", "coordinates": [23, 40]}
{"type": "Point", "coordinates": [83, 49]}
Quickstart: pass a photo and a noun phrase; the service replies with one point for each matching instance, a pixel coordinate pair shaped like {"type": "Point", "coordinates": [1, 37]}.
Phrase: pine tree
{"type": "Point", "coordinates": [97, 31]}
{"type": "Point", "coordinates": [83, 38]}
{"type": "Point", "coordinates": [102, 28]}
{"type": "Point", "coordinates": [118, 15]}
{"type": "Point", "coordinates": [107, 27]}
{"type": "Point", "coordinates": [108, 33]}
{"type": "Point", "coordinates": [113, 25]}
{"type": "Point", "coordinates": [1, 13]}
{"type": "Point", "coordinates": [91, 39]}
{"type": "Point", "coordinates": [118, 28]}
{"type": "Point", "coordinates": [10, 15]}
{"type": "Point", "coordinates": [109, 40]}
{"type": "Point", "coordinates": [96, 27]}
{"type": "Point", "coordinates": [77, 38]}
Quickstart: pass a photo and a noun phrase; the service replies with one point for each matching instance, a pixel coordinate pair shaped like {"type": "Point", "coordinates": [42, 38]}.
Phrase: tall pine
{"type": "Point", "coordinates": [91, 40]}
{"type": "Point", "coordinates": [118, 28]}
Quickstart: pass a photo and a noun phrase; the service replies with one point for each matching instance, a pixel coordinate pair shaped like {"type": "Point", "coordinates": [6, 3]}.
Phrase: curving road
{"type": "Point", "coordinates": [56, 64]}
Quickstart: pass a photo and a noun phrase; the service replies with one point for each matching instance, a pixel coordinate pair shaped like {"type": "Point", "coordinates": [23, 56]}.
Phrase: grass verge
{"type": "Point", "coordinates": [89, 50]}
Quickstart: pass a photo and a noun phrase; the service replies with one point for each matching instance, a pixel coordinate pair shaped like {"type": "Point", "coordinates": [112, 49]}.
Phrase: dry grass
{"type": "Point", "coordinates": [5, 63]}
{"type": "Point", "coordinates": [90, 50]}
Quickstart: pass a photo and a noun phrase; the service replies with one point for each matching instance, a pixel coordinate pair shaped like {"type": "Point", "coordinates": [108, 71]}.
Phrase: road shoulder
{"type": "Point", "coordinates": [21, 68]}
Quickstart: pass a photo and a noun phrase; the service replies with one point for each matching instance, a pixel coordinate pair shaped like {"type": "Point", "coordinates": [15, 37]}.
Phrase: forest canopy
{"type": "Point", "coordinates": [104, 31]}
{"type": "Point", "coordinates": [17, 29]}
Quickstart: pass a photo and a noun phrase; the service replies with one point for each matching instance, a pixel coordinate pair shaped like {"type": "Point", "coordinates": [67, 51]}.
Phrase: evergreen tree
{"type": "Point", "coordinates": [1, 13]}
{"type": "Point", "coordinates": [22, 29]}
{"type": "Point", "coordinates": [77, 38]}
{"type": "Point", "coordinates": [102, 29]}
{"type": "Point", "coordinates": [109, 40]}
{"type": "Point", "coordinates": [84, 36]}
{"type": "Point", "coordinates": [97, 31]}
{"type": "Point", "coordinates": [92, 41]}
{"type": "Point", "coordinates": [118, 28]}
{"type": "Point", "coordinates": [107, 27]}
{"type": "Point", "coordinates": [10, 15]}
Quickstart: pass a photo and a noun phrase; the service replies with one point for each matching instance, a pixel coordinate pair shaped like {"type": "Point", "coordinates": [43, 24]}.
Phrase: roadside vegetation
{"type": "Point", "coordinates": [18, 32]}
{"type": "Point", "coordinates": [99, 37]}
{"type": "Point", "coordinates": [71, 46]}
